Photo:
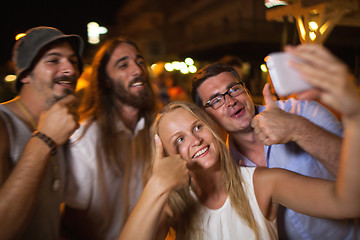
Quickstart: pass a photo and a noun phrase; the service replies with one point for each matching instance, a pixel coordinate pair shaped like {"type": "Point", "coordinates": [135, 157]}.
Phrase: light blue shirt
{"type": "Point", "coordinates": [292, 157]}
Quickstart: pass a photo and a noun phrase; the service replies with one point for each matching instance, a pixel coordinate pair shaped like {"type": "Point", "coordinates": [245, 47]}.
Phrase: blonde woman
{"type": "Point", "coordinates": [223, 201]}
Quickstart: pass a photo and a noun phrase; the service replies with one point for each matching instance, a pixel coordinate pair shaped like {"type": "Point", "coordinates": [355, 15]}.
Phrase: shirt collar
{"type": "Point", "coordinates": [139, 126]}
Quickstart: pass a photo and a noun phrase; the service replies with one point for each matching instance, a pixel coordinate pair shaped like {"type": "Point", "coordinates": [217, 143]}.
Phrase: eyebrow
{"type": "Point", "coordinates": [197, 121]}
{"type": "Point", "coordinates": [139, 56]}
{"type": "Point", "coordinates": [58, 54]}
{"type": "Point", "coordinates": [174, 136]}
{"type": "Point", "coordinates": [120, 60]}
{"type": "Point", "coordinates": [127, 57]}
{"type": "Point", "coordinates": [230, 85]}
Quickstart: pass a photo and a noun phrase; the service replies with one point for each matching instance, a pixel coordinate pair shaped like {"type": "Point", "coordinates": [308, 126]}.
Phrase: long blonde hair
{"type": "Point", "coordinates": [184, 207]}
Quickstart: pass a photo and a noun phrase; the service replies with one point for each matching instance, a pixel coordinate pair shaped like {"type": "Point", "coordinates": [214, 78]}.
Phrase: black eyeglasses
{"type": "Point", "coordinates": [219, 99]}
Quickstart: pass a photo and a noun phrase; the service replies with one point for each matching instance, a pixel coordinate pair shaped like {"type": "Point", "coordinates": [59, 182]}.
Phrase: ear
{"type": "Point", "coordinates": [26, 79]}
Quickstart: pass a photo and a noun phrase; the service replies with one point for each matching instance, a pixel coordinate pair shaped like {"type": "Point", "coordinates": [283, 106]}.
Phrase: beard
{"type": "Point", "coordinates": [142, 100]}
{"type": "Point", "coordinates": [66, 92]}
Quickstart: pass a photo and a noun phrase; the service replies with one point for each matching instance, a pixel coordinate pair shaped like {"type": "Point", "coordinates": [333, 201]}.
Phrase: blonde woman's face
{"type": "Point", "coordinates": [182, 133]}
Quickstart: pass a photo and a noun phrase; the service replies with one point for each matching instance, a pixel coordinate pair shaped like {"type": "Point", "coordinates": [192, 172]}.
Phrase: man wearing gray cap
{"type": "Point", "coordinates": [33, 127]}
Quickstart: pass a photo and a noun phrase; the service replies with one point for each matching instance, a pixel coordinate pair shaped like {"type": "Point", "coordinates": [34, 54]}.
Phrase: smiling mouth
{"type": "Point", "coordinates": [201, 152]}
{"type": "Point", "coordinates": [137, 84]}
{"type": "Point", "coordinates": [237, 112]}
{"type": "Point", "coordinates": [65, 83]}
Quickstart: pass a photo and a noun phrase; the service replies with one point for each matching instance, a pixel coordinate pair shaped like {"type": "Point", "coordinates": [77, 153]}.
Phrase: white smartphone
{"type": "Point", "coordinates": [286, 80]}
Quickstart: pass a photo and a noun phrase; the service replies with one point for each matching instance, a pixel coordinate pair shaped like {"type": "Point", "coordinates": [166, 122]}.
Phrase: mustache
{"type": "Point", "coordinates": [137, 79]}
{"type": "Point", "coordinates": [71, 79]}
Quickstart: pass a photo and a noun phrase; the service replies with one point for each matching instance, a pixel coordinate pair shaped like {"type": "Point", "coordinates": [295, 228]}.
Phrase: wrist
{"type": "Point", "coordinates": [298, 125]}
{"type": "Point", "coordinates": [47, 140]}
{"type": "Point", "coordinates": [158, 186]}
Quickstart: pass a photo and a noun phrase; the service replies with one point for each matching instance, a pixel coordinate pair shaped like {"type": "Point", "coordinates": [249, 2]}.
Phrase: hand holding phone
{"type": "Point", "coordinates": [286, 80]}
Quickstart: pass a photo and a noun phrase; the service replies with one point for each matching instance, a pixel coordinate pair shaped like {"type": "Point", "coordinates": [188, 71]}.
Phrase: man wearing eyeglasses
{"type": "Point", "coordinates": [301, 136]}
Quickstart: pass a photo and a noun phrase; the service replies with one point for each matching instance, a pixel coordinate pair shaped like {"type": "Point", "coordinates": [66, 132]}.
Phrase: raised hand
{"type": "Point", "coordinates": [171, 170]}
{"type": "Point", "coordinates": [59, 122]}
{"type": "Point", "coordinates": [332, 81]}
{"type": "Point", "coordinates": [272, 125]}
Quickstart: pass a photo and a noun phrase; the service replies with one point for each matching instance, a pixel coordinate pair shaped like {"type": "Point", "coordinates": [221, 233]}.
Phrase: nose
{"type": "Point", "coordinates": [136, 69]}
{"type": "Point", "coordinates": [68, 68]}
{"type": "Point", "coordinates": [230, 101]}
{"type": "Point", "coordinates": [196, 140]}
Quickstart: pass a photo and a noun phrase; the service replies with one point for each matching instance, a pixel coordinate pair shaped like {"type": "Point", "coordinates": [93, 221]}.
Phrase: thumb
{"type": "Point", "coordinates": [159, 151]}
{"type": "Point", "coordinates": [268, 98]}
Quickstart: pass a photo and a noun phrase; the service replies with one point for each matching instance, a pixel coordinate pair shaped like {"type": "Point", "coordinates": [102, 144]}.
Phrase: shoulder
{"type": "Point", "coordinates": [4, 135]}
{"type": "Point", "coordinates": [265, 180]}
{"type": "Point", "coordinates": [259, 173]}
{"type": "Point", "coordinates": [247, 172]}
{"type": "Point", "coordinates": [4, 138]}
{"type": "Point", "coordinates": [88, 131]}
{"type": "Point", "coordinates": [262, 175]}
{"type": "Point", "coordinates": [268, 175]}
{"type": "Point", "coordinates": [302, 107]}
{"type": "Point", "coordinates": [4, 151]}
{"type": "Point", "coordinates": [313, 111]}
{"type": "Point", "coordinates": [83, 145]}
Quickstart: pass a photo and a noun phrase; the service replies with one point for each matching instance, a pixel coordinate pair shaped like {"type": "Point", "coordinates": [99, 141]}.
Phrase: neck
{"type": "Point", "coordinates": [248, 145]}
{"type": "Point", "coordinates": [244, 138]}
{"type": "Point", "coordinates": [34, 102]}
{"type": "Point", "coordinates": [210, 189]}
{"type": "Point", "coordinates": [129, 115]}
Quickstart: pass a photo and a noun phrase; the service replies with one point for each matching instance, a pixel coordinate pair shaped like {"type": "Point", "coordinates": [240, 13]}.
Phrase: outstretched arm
{"type": "Point", "coordinates": [335, 86]}
{"type": "Point", "coordinates": [168, 174]}
{"type": "Point", "coordinates": [275, 126]}
{"type": "Point", "coordinates": [311, 196]}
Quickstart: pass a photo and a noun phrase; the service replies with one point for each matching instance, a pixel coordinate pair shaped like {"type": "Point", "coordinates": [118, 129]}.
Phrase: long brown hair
{"type": "Point", "coordinates": [184, 207]}
{"type": "Point", "coordinates": [98, 103]}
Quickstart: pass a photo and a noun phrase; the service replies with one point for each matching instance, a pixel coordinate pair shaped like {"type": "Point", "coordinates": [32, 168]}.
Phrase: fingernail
{"type": "Point", "coordinates": [157, 138]}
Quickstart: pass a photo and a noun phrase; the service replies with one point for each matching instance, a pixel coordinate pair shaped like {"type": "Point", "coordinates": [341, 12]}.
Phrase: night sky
{"type": "Point", "coordinates": [70, 17]}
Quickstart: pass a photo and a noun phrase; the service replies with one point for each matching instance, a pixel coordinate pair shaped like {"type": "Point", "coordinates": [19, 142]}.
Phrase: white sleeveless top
{"type": "Point", "coordinates": [224, 223]}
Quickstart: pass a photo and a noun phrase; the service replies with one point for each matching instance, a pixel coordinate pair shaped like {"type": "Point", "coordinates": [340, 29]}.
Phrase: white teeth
{"type": "Point", "coordinates": [137, 84]}
{"type": "Point", "coordinates": [64, 82]}
{"type": "Point", "coordinates": [202, 151]}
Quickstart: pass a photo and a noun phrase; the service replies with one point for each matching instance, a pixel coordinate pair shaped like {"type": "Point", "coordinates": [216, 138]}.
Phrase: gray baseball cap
{"type": "Point", "coordinates": [27, 48]}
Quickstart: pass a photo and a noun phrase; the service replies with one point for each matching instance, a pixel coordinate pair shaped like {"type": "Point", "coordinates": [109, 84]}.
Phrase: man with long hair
{"type": "Point", "coordinates": [109, 155]}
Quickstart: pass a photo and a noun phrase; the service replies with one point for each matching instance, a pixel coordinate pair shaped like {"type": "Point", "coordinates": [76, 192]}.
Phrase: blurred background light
{"type": "Point", "coordinates": [153, 66]}
{"type": "Point", "coordinates": [312, 35]}
{"type": "Point", "coordinates": [313, 26]}
{"type": "Point", "coordinates": [169, 67]}
{"type": "Point", "coordinates": [263, 67]}
{"type": "Point", "coordinates": [184, 70]}
{"type": "Point", "coordinates": [10, 78]}
{"type": "Point", "coordinates": [20, 35]}
{"type": "Point", "coordinates": [94, 30]}
{"type": "Point", "coordinates": [176, 65]}
{"type": "Point", "coordinates": [192, 69]}
{"type": "Point", "coordinates": [189, 61]}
